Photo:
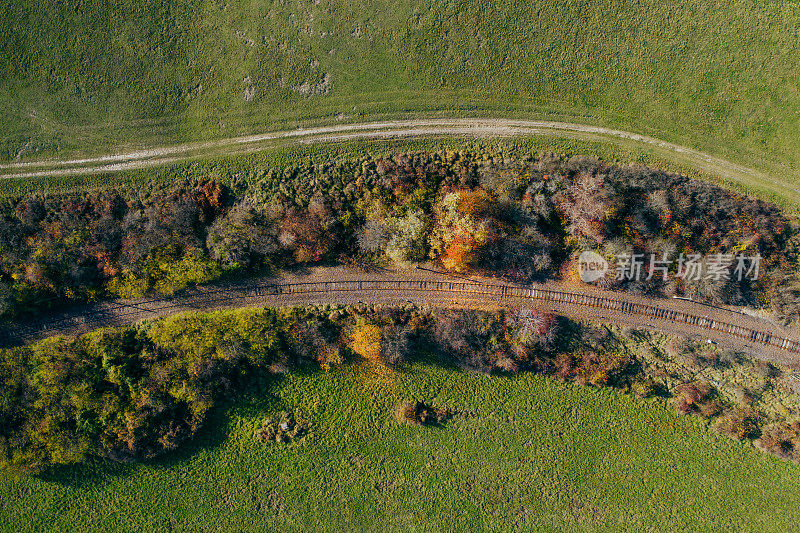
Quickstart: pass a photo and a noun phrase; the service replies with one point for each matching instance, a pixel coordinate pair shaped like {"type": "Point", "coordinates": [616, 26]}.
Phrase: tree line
{"type": "Point", "coordinates": [522, 219]}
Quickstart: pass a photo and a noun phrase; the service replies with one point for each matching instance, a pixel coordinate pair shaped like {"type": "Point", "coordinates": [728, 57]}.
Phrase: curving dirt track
{"type": "Point", "coordinates": [726, 327]}
{"type": "Point", "coordinates": [470, 127]}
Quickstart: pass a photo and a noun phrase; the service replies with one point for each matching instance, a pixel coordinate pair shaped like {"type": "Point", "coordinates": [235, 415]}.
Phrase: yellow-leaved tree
{"type": "Point", "coordinates": [366, 341]}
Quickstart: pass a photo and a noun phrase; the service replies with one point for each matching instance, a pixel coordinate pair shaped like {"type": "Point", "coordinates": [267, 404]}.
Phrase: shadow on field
{"type": "Point", "coordinates": [214, 432]}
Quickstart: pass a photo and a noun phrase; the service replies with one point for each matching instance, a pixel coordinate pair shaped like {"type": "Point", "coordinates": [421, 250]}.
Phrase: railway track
{"type": "Point", "coordinates": [501, 294]}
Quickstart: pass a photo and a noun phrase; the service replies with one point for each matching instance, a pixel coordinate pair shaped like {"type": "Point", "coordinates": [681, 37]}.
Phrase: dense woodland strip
{"type": "Point", "coordinates": [522, 220]}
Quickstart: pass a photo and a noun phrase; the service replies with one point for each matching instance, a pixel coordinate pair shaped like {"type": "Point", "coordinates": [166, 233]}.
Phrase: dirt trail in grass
{"type": "Point", "coordinates": [469, 127]}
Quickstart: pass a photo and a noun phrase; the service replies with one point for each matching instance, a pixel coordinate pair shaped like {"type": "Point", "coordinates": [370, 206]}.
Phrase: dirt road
{"type": "Point", "coordinates": [469, 127]}
{"type": "Point", "coordinates": [726, 327]}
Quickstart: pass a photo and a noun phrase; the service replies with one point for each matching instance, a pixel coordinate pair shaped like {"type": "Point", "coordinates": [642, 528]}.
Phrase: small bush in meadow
{"type": "Point", "coordinates": [419, 413]}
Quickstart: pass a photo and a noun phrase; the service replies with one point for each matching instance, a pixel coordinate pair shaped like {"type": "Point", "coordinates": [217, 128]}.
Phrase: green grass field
{"type": "Point", "coordinates": [526, 453]}
{"type": "Point", "coordinates": [87, 77]}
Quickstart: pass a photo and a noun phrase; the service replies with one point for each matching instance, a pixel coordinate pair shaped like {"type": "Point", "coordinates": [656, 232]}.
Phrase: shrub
{"type": "Point", "coordinates": [164, 277]}
{"type": "Point", "coordinates": [396, 344]}
{"type": "Point", "coordinates": [406, 238]}
{"type": "Point", "coordinates": [476, 204]}
{"type": "Point", "coordinates": [283, 428]}
{"type": "Point", "coordinates": [309, 235]}
{"type": "Point", "coordinates": [530, 327]}
{"type": "Point", "coordinates": [698, 398]}
{"type": "Point", "coordinates": [467, 338]}
{"type": "Point", "coordinates": [591, 367]}
{"type": "Point", "coordinates": [739, 424]}
{"type": "Point", "coordinates": [519, 258]}
{"type": "Point", "coordinates": [419, 413]}
{"type": "Point", "coordinates": [585, 205]}
{"type": "Point", "coordinates": [371, 237]}
{"type": "Point", "coordinates": [646, 387]}
{"type": "Point", "coordinates": [460, 234]}
{"type": "Point", "coordinates": [315, 339]}
{"type": "Point", "coordinates": [246, 237]}
{"type": "Point", "coordinates": [461, 252]}
{"type": "Point", "coordinates": [366, 341]}
{"type": "Point", "coordinates": [781, 439]}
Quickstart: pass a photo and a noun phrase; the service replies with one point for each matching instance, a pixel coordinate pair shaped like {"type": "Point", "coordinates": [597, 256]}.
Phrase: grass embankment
{"type": "Point", "coordinates": [88, 78]}
{"type": "Point", "coordinates": [527, 452]}
{"type": "Point", "coordinates": [251, 166]}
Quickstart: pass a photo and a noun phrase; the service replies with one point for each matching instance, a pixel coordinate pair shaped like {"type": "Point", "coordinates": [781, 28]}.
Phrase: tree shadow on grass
{"type": "Point", "coordinates": [215, 431]}
{"type": "Point", "coordinates": [88, 473]}
{"type": "Point", "coordinates": [428, 354]}
{"type": "Point", "coordinates": [258, 400]}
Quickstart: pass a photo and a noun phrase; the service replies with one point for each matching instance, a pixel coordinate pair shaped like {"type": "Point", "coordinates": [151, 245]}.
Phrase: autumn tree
{"type": "Point", "coordinates": [464, 225]}
{"type": "Point", "coordinates": [244, 237]}
{"type": "Point", "coordinates": [585, 205]}
{"type": "Point", "coordinates": [366, 341]}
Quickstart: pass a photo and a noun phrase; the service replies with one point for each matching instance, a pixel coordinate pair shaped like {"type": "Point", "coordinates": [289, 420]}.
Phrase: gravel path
{"type": "Point", "coordinates": [471, 127]}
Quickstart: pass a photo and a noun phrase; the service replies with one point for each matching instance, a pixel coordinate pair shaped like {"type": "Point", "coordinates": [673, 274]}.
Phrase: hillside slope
{"type": "Point", "coordinates": [88, 77]}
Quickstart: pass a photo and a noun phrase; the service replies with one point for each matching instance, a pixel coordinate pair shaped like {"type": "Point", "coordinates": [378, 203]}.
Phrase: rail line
{"type": "Point", "coordinates": [120, 312]}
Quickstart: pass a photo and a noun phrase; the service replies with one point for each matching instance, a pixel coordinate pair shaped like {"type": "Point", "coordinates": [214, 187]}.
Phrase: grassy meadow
{"type": "Point", "coordinates": [523, 453]}
{"type": "Point", "coordinates": [87, 77]}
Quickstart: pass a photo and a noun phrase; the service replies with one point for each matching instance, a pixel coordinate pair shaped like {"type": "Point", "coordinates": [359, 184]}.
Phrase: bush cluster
{"type": "Point", "coordinates": [518, 219]}
{"type": "Point", "coordinates": [134, 392]}
{"type": "Point", "coordinates": [699, 398]}
{"type": "Point", "coordinates": [127, 393]}
{"type": "Point", "coordinates": [781, 439]}
{"type": "Point", "coordinates": [284, 428]}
